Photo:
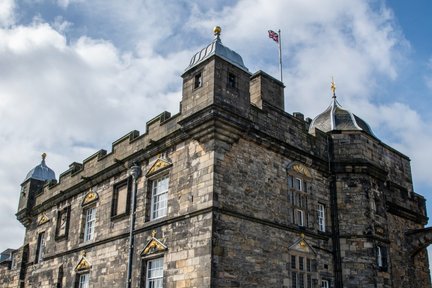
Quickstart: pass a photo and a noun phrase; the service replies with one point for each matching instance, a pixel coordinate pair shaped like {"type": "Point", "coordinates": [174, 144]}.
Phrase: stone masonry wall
{"type": "Point", "coordinates": [255, 226]}
{"type": "Point", "coordinates": [190, 191]}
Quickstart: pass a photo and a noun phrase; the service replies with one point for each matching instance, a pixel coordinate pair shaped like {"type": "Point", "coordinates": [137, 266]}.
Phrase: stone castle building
{"type": "Point", "coordinates": [230, 192]}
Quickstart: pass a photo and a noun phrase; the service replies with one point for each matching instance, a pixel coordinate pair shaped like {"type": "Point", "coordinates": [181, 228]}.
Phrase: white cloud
{"type": "Point", "coordinates": [71, 99]}
{"type": "Point", "coordinates": [7, 16]}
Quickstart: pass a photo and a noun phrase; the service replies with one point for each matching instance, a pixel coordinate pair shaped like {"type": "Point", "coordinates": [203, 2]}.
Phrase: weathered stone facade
{"type": "Point", "coordinates": [252, 200]}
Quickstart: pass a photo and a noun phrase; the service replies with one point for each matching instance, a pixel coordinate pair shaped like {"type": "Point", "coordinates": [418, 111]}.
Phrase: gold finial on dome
{"type": "Point", "coordinates": [217, 30]}
{"type": "Point", "coordinates": [44, 156]}
{"type": "Point", "coordinates": [333, 88]}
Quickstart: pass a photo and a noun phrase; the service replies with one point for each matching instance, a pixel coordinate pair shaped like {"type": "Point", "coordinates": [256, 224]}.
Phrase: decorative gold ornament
{"type": "Point", "coordinates": [217, 30]}
{"type": "Point", "coordinates": [333, 88]}
{"type": "Point", "coordinates": [300, 168]}
{"type": "Point", "coordinates": [43, 219]}
{"type": "Point", "coordinates": [302, 244]}
{"type": "Point", "coordinates": [154, 246]}
{"type": "Point", "coordinates": [82, 265]}
{"type": "Point", "coordinates": [158, 165]}
{"type": "Point", "coordinates": [90, 197]}
{"type": "Point", "coordinates": [153, 233]}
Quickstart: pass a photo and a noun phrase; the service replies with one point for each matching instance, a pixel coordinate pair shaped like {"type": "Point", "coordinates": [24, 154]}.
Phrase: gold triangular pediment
{"type": "Point", "coordinates": [159, 165]}
{"type": "Point", "coordinates": [301, 169]}
{"type": "Point", "coordinates": [90, 197]}
{"type": "Point", "coordinates": [302, 246]}
{"type": "Point", "coordinates": [153, 246]}
{"type": "Point", "coordinates": [82, 265]}
{"type": "Point", "coordinates": [43, 219]}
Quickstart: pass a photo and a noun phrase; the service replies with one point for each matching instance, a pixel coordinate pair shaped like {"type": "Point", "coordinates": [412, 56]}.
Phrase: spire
{"type": "Point", "coordinates": [333, 88]}
{"type": "Point", "coordinates": [43, 157]}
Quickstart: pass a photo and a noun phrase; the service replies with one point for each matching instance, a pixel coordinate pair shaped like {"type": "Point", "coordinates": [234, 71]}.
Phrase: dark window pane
{"type": "Point", "coordinates": [293, 262]}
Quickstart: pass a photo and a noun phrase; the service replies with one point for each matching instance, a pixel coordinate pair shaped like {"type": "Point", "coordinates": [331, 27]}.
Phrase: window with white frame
{"type": "Point", "coordinates": [325, 284]}
{"type": "Point", "coordinates": [40, 247]}
{"type": "Point", "coordinates": [298, 198]}
{"type": "Point", "coordinates": [154, 273]}
{"type": "Point", "coordinates": [159, 197]}
{"type": "Point", "coordinates": [321, 217]}
{"type": "Point", "coordinates": [90, 222]}
{"type": "Point", "coordinates": [302, 272]}
{"type": "Point", "coordinates": [84, 280]}
{"type": "Point", "coordinates": [299, 217]}
{"type": "Point", "coordinates": [381, 254]}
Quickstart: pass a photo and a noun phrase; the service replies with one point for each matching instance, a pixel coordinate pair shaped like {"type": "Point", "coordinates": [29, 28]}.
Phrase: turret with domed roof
{"type": "Point", "coordinates": [32, 185]}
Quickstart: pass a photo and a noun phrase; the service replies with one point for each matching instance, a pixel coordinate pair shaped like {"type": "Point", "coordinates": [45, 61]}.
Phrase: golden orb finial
{"type": "Point", "coordinates": [44, 156]}
{"type": "Point", "coordinates": [217, 30]}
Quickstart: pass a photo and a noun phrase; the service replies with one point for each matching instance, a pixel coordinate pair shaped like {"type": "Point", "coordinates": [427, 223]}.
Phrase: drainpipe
{"type": "Point", "coordinates": [134, 172]}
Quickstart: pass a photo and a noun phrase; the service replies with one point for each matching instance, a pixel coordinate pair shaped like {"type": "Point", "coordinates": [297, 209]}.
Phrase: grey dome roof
{"type": "Point", "coordinates": [217, 48]}
{"type": "Point", "coordinates": [41, 172]}
{"type": "Point", "coordinates": [337, 118]}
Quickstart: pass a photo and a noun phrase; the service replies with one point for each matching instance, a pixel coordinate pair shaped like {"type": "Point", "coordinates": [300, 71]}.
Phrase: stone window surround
{"type": "Point", "coordinates": [85, 227]}
{"type": "Point", "coordinates": [144, 267]}
{"type": "Point", "coordinates": [303, 275]}
{"type": "Point", "coordinates": [151, 190]}
{"type": "Point", "coordinates": [198, 79]}
{"type": "Point", "coordinates": [40, 248]}
{"type": "Point", "coordinates": [381, 257]}
{"type": "Point", "coordinates": [321, 211]}
{"type": "Point", "coordinates": [114, 213]}
{"type": "Point", "coordinates": [83, 280]}
{"type": "Point", "coordinates": [61, 213]}
{"type": "Point", "coordinates": [325, 283]}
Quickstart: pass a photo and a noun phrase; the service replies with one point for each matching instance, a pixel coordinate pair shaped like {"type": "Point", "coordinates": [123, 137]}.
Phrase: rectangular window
{"type": "Point", "coordinates": [299, 217]}
{"type": "Point", "coordinates": [325, 284]}
{"type": "Point", "coordinates": [84, 280]}
{"type": "Point", "coordinates": [379, 257]}
{"type": "Point", "coordinates": [159, 198]}
{"type": "Point", "coordinates": [13, 263]}
{"type": "Point", "coordinates": [321, 218]}
{"type": "Point", "coordinates": [294, 279]}
{"type": "Point", "coordinates": [90, 221]}
{"type": "Point", "coordinates": [62, 223]}
{"type": "Point", "coordinates": [298, 184]}
{"type": "Point", "coordinates": [309, 281]}
{"type": "Point", "coordinates": [382, 258]}
{"type": "Point", "coordinates": [301, 263]}
{"type": "Point", "coordinates": [290, 182]}
{"type": "Point", "coordinates": [120, 200]}
{"type": "Point", "coordinates": [232, 81]}
{"type": "Point", "coordinates": [40, 247]}
{"type": "Point", "coordinates": [198, 80]}
{"type": "Point", "coordinates": [309, 265]}
{"type": "Point", "coordinates": [154, 273]}
{"type": "Point", "coordinates": [301, 280]}
{"type": "Point", "coordinates": [293, 262]}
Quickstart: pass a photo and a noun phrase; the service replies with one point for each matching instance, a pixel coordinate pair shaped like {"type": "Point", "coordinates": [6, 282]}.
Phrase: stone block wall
{"type": "Point", "coordinates": [190, 186]}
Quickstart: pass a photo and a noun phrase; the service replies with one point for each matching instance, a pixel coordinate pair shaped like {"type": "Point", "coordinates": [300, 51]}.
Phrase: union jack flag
{"type": "Point", "coordinates": [273, 35]}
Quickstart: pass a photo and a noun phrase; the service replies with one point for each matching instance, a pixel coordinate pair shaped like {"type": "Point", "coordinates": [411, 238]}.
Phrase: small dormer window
{"type": "Point", "coordinates": [232, 80]}
{"type": "Point", "coordinates": [198, 80]}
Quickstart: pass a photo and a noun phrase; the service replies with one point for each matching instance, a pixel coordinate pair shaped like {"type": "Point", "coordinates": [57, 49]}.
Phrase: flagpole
{"type": "Point", "coordinates": [280, 55]}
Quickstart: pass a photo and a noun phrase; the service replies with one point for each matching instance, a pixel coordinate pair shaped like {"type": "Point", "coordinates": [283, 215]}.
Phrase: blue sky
{"type": "Point", "coordinates": [77, 75]}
